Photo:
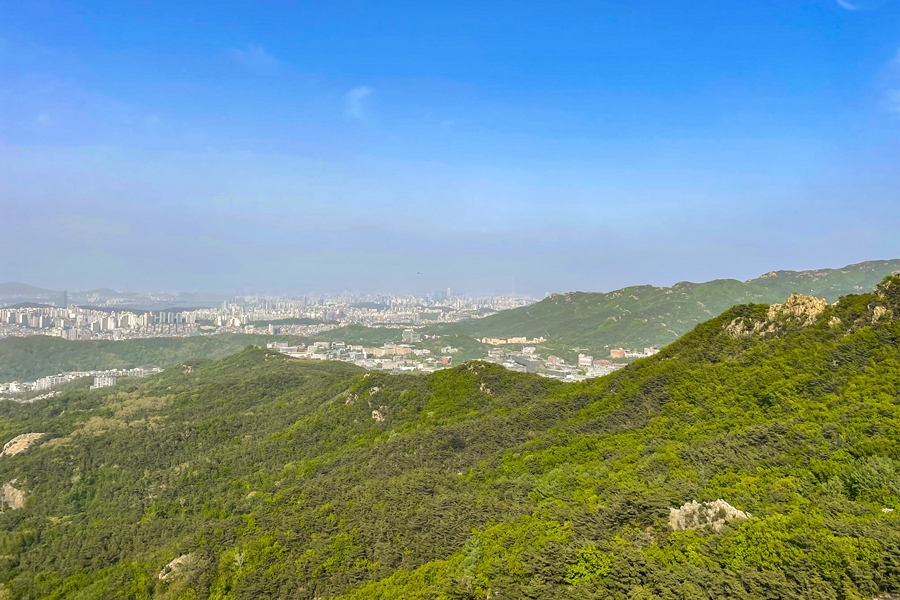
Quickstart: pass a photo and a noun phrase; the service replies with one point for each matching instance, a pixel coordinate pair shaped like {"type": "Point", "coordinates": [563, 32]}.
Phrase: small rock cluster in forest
{"type": "Point", "coordinates": [695, 515]}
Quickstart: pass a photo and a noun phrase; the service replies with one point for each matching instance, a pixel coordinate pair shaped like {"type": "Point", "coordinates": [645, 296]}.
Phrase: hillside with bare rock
{"type": "Point", "coordinates": [741, 462]}
{"type": "Point", "coordinates": [649, 316]}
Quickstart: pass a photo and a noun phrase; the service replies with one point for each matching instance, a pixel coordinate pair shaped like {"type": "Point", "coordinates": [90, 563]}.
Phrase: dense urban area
{"type": "Point", "coordinates": [106, 319]}
{"type": "Point", "coordinates": [406, 357]}
{"type": "Point", "coordinates": [300, 318]}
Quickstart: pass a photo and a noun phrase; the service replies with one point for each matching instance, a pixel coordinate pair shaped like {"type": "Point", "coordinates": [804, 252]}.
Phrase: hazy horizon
{"type": "Point", "coordinates": [284, 292]}
{"type": "Point", "coordinates": [411, 147]}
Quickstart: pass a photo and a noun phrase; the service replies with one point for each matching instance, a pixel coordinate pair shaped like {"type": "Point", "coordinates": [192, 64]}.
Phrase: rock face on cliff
{"type": "Point", "coordinates": [20, 443]}
{"type": "Point", "coordinates": [11, 496]}
{"type": "Point", "coordinates": [797, 309]}
{"type": "Point", "coordinates": [694, 515]}
{"type": "Point", "coordinates": [804, 309]}
{"type": "Point", "coordinates": [175, 567]}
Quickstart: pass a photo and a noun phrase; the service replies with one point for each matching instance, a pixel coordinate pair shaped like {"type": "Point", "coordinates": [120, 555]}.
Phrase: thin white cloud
{"type": "Point", "coordinates": [43, 118]}
{"type": "Point", "coordinates": [355, 102]}
{"type": "Point", "coordinates": [857, 5]}
{"type": "Point", "coordinates": [255, 58]}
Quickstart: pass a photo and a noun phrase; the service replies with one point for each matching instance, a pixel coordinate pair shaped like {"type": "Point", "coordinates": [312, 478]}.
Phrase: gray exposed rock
{"type": "Point", "coordinates": [20, 443]}
{"type": "Point", "coordinates": [694, 515]}
{"type": "Point", "coordinates": [798, 309]}
{"type": "Point", "coordinates": [741, 328]}
{"type": "Point", "coordinates": [175, 567]}
{"type": "Point", "coordinates": [12, 497]}
{"type": "Point", "coordinates": [805, 309]}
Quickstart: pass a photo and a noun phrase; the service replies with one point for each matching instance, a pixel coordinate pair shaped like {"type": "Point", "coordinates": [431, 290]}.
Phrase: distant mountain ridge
{"type": "Point", "coordinates": [14, 293]}
{"type": "Point", "coordinates": [23, 290]}
{"type": "Point", "coordinates": [644, 315]}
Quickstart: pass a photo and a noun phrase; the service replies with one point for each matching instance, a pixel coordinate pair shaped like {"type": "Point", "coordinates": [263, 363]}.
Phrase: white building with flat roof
{"type": "Point", "coordinates": [103, 381]}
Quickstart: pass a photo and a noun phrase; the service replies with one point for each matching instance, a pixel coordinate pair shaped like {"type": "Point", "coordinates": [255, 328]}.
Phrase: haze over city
{"type": "Point", "coordinates": [407, 147]}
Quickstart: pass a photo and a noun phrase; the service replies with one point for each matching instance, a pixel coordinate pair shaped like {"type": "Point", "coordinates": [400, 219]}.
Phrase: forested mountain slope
{"type": "Point", "coordinates": [259, 476]}
{"type": "Point", "coordinates": [643, 315]}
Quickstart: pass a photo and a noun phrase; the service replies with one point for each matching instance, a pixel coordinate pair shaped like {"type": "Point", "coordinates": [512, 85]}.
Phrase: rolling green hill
{"type": "Point", "coordinates": [25, 359]}
{"type": "Point", "coordinates": [261, 476]}
{"type": "Point", "coordinates": [643, 316]}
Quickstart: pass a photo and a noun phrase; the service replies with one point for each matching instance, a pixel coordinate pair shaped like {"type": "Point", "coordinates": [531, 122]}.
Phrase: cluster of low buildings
{"type": "Point", "coordinates": [388, 357]}
{"type": "Point", "coordinates": [529, 361]}
{"type": "Point", "coordinates": [622, 353]}
{"type": "Point", "coordinates": [511, 341]}
{"type": "Point", "coordinates": [103, 378]}
{"type": "Point", "coordinates": [405, 357]}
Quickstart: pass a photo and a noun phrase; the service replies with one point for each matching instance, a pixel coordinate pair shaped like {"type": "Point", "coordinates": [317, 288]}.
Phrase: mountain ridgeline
{"type": "Point", "coordinates": [758, 456]}
{"type": "Point", "coordinates": [643, 315]}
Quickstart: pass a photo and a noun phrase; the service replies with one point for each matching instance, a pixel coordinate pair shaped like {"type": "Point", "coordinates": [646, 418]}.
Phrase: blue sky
{"type": "Point", "coordinates": [410, 146]}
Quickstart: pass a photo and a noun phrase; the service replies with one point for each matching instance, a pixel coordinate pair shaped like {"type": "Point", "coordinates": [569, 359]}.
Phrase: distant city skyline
{"type": "Point", "coordinates": [408, 147]}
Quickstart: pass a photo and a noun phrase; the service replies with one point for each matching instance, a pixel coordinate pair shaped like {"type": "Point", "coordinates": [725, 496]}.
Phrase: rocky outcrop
{"type": "Point", "coordinates": [175, 567]}
{"type": "Point", "coordinates": [12, 497]}
{"type": "Point", "coordinates": [798, 309]}
{"type": "Point", "coordinates": [694, 515]}
{"type": "Point", "coordinates": [805, 309]}
{"type": "Point", "coordinates": [20, 443]}
{"type": "Point", "coordinates": [742, 328]}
